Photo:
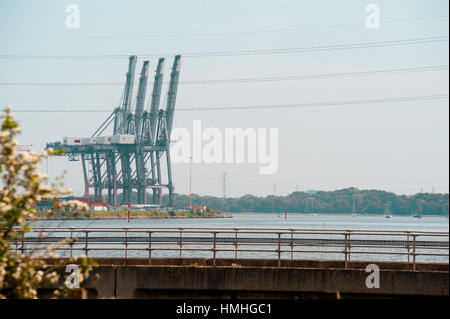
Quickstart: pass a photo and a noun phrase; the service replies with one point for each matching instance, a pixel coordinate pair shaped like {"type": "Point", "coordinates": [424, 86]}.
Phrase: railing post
{"type": "Point", "coordinates": [235, 243]}
{"type": "Point", "coordinates": [126, 242]}
{"type": "Point", "coordinates": [150, 247]}
{"type": "Point", "coordinates": [349, 246]}
{"type": "Point", "coordinates": [181, 243]}
{"type": "Point", "coordinates": [407, 245]}
{"type": "Point", "coordinates": [23, 243]}
{"type": "Point", "coordinates": [214, 249]}
{"type": "Point", "coordinates": [414, 252]}
{"type": "Point", "coordinates": [345, 250]}
{"type": "Point", "coordinates": [279, 249]}
{"type": "Point", "coordinates": [86, 243]}
{"type": "Point", "coordinates": [292, 244]}
{"type": "Point", "coordinates": [71, 243]}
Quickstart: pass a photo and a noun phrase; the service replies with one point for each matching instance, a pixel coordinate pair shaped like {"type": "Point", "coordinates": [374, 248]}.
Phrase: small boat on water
{"type": "Point", "coordinates": [387, 211]}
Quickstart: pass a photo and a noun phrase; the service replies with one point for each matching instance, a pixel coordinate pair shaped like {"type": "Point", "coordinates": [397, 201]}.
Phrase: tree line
{"type": "Point", "coordinates": [343, 201]}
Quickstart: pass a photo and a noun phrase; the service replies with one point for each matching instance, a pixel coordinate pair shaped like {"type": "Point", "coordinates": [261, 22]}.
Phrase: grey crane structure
{"type": "Point", "coordinates": [136, 166]}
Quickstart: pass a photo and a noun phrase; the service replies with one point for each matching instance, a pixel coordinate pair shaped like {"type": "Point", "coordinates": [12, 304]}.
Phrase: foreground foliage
{"type": "Point", "coordinates": [22, 273]}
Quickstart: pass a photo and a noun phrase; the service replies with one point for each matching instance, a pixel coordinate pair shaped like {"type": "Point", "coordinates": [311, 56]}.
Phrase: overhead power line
{"type": "Point", "coordinates": [320, 104]}
{"type": "Point", "coordinates": [254, 107]}
{"type": "Point", "coordinates": [206, 34]}
{"type": "Point", "coordinates": [244, 80]}
{"type": "Point", "coordinates": [360, 45]}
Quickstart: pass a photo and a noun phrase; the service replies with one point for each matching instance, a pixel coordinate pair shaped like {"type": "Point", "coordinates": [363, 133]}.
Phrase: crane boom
{"type": "Point", "coordinates": [156, 96]}
{"type": "Point", "coordinates": [140, 100]}
{"type": "Point", "coordinates": [128, 93]}
{"type": "Point", "coordinates": [172, 93]}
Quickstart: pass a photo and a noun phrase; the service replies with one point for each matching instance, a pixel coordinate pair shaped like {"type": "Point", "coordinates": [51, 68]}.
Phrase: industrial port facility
{"type": "Point", "coordinates": [135, 154]}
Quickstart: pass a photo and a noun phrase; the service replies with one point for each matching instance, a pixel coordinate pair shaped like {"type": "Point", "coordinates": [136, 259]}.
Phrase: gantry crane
{"type": "Point", "coordinates": [133, 156]}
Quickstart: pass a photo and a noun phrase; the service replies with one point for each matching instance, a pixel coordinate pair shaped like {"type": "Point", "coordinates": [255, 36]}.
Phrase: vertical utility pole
{"type": "Point", "coordinates": [87, 173]}
{"type": "Point", "coordinates": [274, 188]}
{"type": "Point", "coordinates": [115, 190]}
{"type": "Point", "coordinates": [224, 185]}
{"type": "Point", "coordinates": [190, 182]}
{"type": "Point", "coordinates": [48, 177]}
{"type": "Point", "coordinates": [296, 187]}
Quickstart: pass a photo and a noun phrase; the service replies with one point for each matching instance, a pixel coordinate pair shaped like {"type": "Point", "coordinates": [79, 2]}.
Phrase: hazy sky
{"type": "Point", "coordinates": [400, 147]}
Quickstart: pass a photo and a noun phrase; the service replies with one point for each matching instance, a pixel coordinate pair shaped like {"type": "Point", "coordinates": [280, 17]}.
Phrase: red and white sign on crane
{"type": "Point", "coordinates": [24, 148]}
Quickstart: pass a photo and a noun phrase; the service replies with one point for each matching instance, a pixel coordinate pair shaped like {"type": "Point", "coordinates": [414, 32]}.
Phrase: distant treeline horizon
{"type": "Point", "coordinates": [343, 201]}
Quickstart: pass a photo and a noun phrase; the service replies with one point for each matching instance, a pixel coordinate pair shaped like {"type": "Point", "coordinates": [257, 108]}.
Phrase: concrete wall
{"type": "Point", "coordinates": [196, 278]}
{"type": "Point", "coordinates": [334, 264]}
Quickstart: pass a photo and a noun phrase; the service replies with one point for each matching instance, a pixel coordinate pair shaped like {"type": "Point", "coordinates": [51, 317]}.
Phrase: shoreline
{"type": "Point", "coordinates": [125, 218]}
{"type": "Point", "coordinates": [110, 215]}
{"type": "Point", "coordinates": [334, 214]}
{"type": "Point", "coordinates": [138, 215]}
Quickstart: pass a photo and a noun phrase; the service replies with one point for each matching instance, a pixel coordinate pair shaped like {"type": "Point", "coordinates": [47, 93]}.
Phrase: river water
{"type": "Point", "coordinates": [297, 221]}
{"type": "Point", "coordinates": [244, 220]}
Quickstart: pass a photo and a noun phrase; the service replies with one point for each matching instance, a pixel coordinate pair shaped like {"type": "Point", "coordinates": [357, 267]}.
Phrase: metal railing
{"type": "Point", "coordinates": [271, 243]}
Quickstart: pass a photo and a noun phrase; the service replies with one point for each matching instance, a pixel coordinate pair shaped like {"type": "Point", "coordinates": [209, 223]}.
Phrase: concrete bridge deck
{"type": "Point", "coordinates": [261, 278]}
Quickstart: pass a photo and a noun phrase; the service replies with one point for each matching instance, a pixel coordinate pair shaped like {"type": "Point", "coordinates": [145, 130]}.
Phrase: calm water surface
{"type": "Point", "coordinates": [272, 221]}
